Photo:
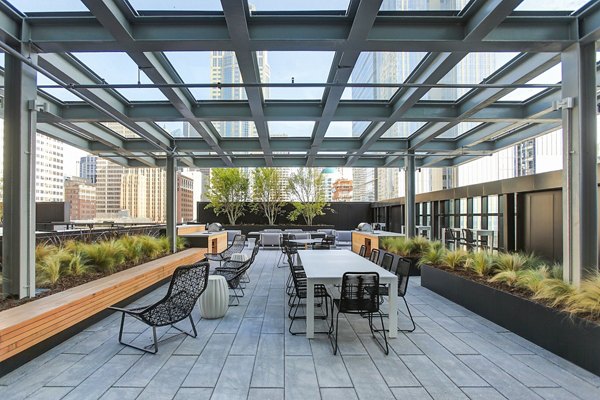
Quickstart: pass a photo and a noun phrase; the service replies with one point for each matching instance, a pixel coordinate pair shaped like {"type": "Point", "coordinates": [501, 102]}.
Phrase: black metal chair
{"type": "Point", "coordinates": [326, 243]}
{"type": "Point", "coordinates": [284, 242]}
{"type": "Point", "coordinates": [187, 284]}
{"type": "Point", "coordinates": [299, 294]}
{"type": "Point", "coordinates": [452, 238]}
{"type": "Point", "coordinates": [402, 271]}
{"type": "Point", "coordinates": [374, 256]}
{"type": "Point", "coordinates": [234, 271]}
{"type": "Point", "coordinates": [237, 246]}
{"type": "Point", "coordinates": [363, 250]}
{"type": "Point", "coordinates": [387, 261]}
{"type": "Point", "coordinates": [360, 295]}
{"type": "Point", "coordinates": [471, 242]}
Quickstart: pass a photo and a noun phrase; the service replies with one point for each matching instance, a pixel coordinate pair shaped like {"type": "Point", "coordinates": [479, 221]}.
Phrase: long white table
{"type": "Point", "coordinates": [328, 266]}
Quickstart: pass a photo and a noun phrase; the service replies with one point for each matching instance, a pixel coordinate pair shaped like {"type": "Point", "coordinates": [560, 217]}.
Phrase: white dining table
{"type": "Point", "coordinates": [328, 266]}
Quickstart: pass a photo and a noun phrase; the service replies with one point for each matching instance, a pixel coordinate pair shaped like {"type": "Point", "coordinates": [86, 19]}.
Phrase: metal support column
{"type": "Point", "coordinates": [580, 191]}
{"type": "Point", "coordinates": [172, 202]}
{"type": "Point", "coordinates": [409, 198]}
{"type": "Point", "coordinates": [18, 244]}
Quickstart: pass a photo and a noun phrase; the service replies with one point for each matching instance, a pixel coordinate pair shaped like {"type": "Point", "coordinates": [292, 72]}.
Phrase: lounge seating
{"type": "Point", "coordinates": [187, 284]}
{"type": "Point", "coordinates": [237, 246]}
{"type": "Point", "coordinates": [330, 232]}
{"type": "Point", "coordinates": [343, 238]}
{"type": "Point", "coordinates": [270, 239]}
{"type": "Point", "coordinates": [233, 271]}
{"type": "Point", "coordinates": [231, 234]}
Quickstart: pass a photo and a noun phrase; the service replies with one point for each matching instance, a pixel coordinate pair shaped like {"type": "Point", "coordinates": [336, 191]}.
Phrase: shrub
{"type": "Point", "coordinates": [181, 243]}
{"type": "Point", "coordinates": [455, 259]}
{"type": "Point", "coordinates": [434, 256]}
{"type": "Point", "coordinates": [507, 277]}
{"type": "Point", "coordinates": [132, 248]}
{"type": "Point", "coordinates": [531, 279]}
{"type": "Point", "coordinates": [105, 256]}
{"type": "Point", "coordinates": [44, 250]}
{"type": "Point", "coordinates": [164, 244]}
{"type": "Point", "coordinates": [554, 291]}
{"type": "Point", "coordinates": [586, 300]}
{"type": "Point", "coordinates": [50, 268]}
{"type": "Point", "coordinates": [150, 246]}
{"type": "Point", "coordinates": [480, 263]}
{"type": "Point", "coordinates": [419, 245]}
{"type": "Point", "coordinates": [513, 262]}
{"type": "Point", "coordinates": [76, 264]}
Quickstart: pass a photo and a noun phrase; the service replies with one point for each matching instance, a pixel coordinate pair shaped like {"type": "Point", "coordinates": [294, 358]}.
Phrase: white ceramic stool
{"type": "Point", "coordinates": [239, 257]}
{"type": "Point", "coordinates": [215, 299]}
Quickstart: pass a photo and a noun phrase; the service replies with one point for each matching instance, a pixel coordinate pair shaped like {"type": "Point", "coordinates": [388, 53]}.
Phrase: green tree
{"type": "Point", "coordinates": [228, 192]}
{"type": "Point", "coordinates": [306, 186]}
{"type": "Point", "coordinates": [267, 193]}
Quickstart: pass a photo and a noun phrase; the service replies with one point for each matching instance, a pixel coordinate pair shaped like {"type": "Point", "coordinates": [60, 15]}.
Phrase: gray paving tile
{"type": "Point", "coordinates": [568, 381]}
{"type": "Point", "coordinates": [258, 303]}
{"type": "Point", "coordinates": [331, 370]}
{"type": "Point", "coordinates": [554, 393]}
{"type": "Point", "coordinates": [207, 368]}
{"type": "Point", "coordinates": [230, 323]}
{"type": "Point", "coordinates": [338, 394]}
{"type": "Point", "coordinates": [121, 393]}
{"type": "Point", "coordinates": [411, 393]}
{"type": "Point", "coordinates": [449, 324]}
{"type": "Point", "coordinates": [499, 340]}
{"type": "Point", "coordinates": [194, 394]}
{"type": "Point", "coordinates": [500, 380]}
{"type": "Point", "coordinates": [234, 383]}
{"type": "Point", "coordinates": [402, 345]}
{"type": "Point", "coordinates": [246, 340]}
{"type": "Point", "coordinates": [194, 346]}
{"type": "Point", "coordinates": [269, 365]}
{"type": "Point", "coordinates": [50, 393]}
{"type": "Point", "coordinates": [444, 337]}
{"type": "Point", "coordinates": [459, 373]}
{"type": "Point", "coordinates": [366, 378]}
{"type": "Point", "coordinates": [507, 362]}
{"type": "Point", "coordinates": [166, 382]}
{"type": "Point", "coordinates": [265, 394]}
{"type": "Point", "coordinates": [101, 380]}
{"type": "Point", "coordinates": [300, 378]}
{"type": "Point", "coordinates": [296, 345]}
{"type": "Point", "coordinates": [437, 384]}
{"type": "Point", "coordinates": [482, 393]}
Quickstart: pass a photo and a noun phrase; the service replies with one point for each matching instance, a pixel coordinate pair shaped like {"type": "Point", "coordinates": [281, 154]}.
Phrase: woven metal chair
{"type": "Point", "coordinates": [187, 284]}
{"type": "Point", "coordinates": [233, 272]}
{"type": "Point", "coordinates": [360, 295]}
{"type": "Point", "coordinates": [237, 246]}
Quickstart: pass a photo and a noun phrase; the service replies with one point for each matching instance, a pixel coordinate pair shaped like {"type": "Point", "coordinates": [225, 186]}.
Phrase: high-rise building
{"type": "Point", "coordinates": [49, 176]}
{"type": "Point", "coordinates": [87, 168]}
{"type": "Point", "coordinates": [363, 184]}
{"type": "Point", "coordinates": [108, 188]}
{"type": "Point", "coordinates": [342, 190]}
{"type": "Point", "coordinates": [185, 198]}
{"type": "Point", "coordinates": [80, 194]}
{"type": "Point", "coordinates": [134, 195]}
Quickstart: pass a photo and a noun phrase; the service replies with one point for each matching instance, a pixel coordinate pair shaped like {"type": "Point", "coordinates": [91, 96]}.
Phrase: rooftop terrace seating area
{"type": "Point", "coordinates": [452, 354]}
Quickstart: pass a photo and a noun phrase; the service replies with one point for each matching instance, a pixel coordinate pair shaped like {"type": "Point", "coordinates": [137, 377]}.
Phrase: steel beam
{"type": "Point", "coordinates": [18, 244]}
{"type": "Point", "coordinates": [172, 203]}
{"type": "Point", "coordinates": [410, 194]}
{"type": "Point", "coordinates": [580, 189]}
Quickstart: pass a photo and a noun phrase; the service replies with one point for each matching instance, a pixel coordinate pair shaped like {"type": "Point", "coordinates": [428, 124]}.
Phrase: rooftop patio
{"type": "Point", "coordinates": [453, 354]}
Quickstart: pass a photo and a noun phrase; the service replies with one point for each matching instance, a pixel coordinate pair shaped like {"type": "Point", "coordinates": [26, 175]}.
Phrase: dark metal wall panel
{"type": "Point", "coordinates": [542, 224]}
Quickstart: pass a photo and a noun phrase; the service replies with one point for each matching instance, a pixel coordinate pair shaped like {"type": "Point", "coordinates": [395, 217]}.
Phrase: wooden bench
{"type": "Point", "coordinates": [31, 323]}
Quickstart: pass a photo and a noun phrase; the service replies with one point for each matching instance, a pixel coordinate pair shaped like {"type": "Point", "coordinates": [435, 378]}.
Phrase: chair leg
{"type": "Point", "coordinates": [144, 349]}
{"type": "Point", "coordinates": [380, 331]}
{"type": "Point", "coordinates": [410, 316]}
{"type": "Point", "coordinates": [195, 333]}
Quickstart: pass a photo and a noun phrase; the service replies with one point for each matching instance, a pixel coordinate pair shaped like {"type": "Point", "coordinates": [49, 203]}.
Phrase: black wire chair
{"type": "Point", "coordinates": [374, 256]}
{"type": "Point", "coordinates": [402, 271]}
{"type": "Point", "coordinates": [360, 295]}
{"type": "Point", "coordinates": [299, 294]}
{"type": "Point", "coordinates": [326, 243]}
{"type": "Point", "coordinates": [387, 261]}
{"type": "Point", "coordinates": [237, 246]}
{"type": "Point", "coordinates": [187, 284]}
{"type": "Point", "coordinates": [363, 250]}
{"type": "Point", "coordinates": [233, 272]}
{"type": "Point", "coordinates": [452, 238]}
{"type": "Point", "coordinates": [284, 242]}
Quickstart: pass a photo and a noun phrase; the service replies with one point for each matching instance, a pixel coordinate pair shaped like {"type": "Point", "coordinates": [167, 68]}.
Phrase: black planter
{"type": "Point", "coordinates": [257, 228]}
{"type": "Point", "coordinates": [572, 338]}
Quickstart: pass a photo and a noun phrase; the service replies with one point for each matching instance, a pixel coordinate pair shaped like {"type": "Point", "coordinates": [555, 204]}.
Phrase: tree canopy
{"type": "Point", "coordinates": [267, 193]}
{"type": "Point", "coordinates": [228, 192]}
{"type": "Point", "coordinates": [306, 186]}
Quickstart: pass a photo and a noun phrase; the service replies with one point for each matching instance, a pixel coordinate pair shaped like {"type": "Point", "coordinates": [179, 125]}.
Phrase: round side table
{"type": "Point", "coordinates": [215, 299]}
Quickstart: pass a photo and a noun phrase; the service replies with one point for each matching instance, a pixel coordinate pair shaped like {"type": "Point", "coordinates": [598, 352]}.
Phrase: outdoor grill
{"type": "Point", "coordinates": [214, 227]}
{"type": "Point", "coordinates": [364, 227]}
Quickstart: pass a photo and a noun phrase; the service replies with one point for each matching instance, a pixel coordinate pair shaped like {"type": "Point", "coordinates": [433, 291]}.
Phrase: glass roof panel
{"type": "Point", "coordinates": [551, 76]}
{"type": "Point", "coordinates": [194, 67]}
{"type": "Point", "coordinates": [231, 129]}
{"type": "Point", "coordinates": [299, 5]}
{"type": "Point", "coordinates": [119, 68]}
{"type": "Point", "coordinates": [422, 5]}
{"type": "Point", "coordinates": [402, 129]}
{"type": "Point", "coordinates": [176, 5]}
{"type": "Point", "coordinates": [120, 130]}
{"type": "Point", "coordinates": [472, 69]}
{"type": "Point", "coordinates": [178, 129]}
{"type": "Point", "coordinates": [369, 93]}
{"type": "Point", "coordinates": [551, 5]}
{"type": "Point", "coordinates": [385, 67]}
{"type": "Point", "coordinates": [48, 6]}
{"type": "Point", "coordinates": [291, 128]}
{"type": "Point", "coordinates": [459, 129]}
{"type": "Point", "coordinates": [296, 66]}
{"type": "Point", "coordinates": [346, 129]}
{"type": "Point", "coordinates": [60, 93]}
{"type": "Point", "coordinates": [293, 93]}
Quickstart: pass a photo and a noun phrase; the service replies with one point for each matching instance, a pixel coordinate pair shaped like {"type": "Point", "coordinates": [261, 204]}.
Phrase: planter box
{"type": "Point", "coordinates": [572, 338]}
{"type": "Point", "coordinates": [29, 329]}
{"type": "Point", "coordinates": [257, 228]}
